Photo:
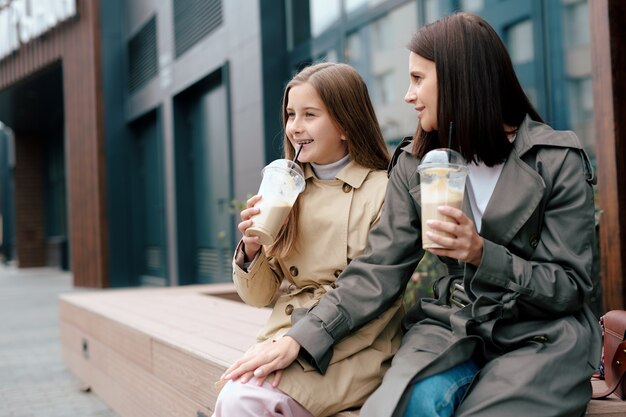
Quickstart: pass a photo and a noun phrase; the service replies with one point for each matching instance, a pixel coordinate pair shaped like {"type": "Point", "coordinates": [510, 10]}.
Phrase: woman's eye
{"type": "Point", "coordinates": [291, 114]}
{"type": "Point", "coordinates": [309, 114]}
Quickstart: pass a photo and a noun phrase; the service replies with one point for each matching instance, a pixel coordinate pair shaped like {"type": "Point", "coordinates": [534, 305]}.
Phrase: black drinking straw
{"type": "Point", "coordinates": [450, 128]}
{"type": "Point", "coordinates": [295, 158]}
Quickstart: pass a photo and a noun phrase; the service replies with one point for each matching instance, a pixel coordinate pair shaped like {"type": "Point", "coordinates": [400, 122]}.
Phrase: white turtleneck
{"type": "Point", "coordinates": [330, 171]}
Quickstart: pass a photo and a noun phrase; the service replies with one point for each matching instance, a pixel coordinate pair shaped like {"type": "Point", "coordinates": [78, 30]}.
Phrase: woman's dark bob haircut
{"type": "Point", "coordinates": [477, 89]}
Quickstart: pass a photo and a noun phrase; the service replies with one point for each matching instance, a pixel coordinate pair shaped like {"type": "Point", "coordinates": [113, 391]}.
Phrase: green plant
{"type": "Point", "coordinates": [237, 205]}
{"type": "Point", "coordinates": [421, 283]}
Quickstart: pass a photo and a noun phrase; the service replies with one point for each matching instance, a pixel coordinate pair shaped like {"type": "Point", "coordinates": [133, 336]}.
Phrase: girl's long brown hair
{"type": "Point", "coordinates": [477, 89]}
{"type": "Point", "coordinates": [345, 95]}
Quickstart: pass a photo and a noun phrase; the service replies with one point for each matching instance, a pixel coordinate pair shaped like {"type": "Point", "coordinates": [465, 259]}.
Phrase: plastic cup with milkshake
{"type": "Point", "coordinates": [442, 183]}
{"type": "Point", "coordinates": [283, 181]}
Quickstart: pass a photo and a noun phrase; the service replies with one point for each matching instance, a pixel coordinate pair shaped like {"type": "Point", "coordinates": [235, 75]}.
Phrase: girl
{"type": "Point", "coordinates": [509, 329]}
{"type": "Point", "coordinates": [327, 111]}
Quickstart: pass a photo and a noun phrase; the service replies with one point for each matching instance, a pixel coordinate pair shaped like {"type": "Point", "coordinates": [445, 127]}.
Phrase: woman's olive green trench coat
{"type": "Point", "coordinates": [528, 321]}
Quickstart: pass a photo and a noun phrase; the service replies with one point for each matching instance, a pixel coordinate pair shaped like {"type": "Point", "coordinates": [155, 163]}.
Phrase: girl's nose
{"type": "Point", "coordinates": [296, 127]}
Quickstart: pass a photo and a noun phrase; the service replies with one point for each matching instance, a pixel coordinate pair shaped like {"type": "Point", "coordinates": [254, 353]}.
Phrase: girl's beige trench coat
{"type": "Point", "coordinates": [334, 221]}
{"type": "Point", "coordinates": [527, 322]}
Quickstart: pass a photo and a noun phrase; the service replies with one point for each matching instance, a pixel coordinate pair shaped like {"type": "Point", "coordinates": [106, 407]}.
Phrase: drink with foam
{"type": "Point", "coordinates": [442, 183]}
{"type": "Point", "coordinates": [283, 181]}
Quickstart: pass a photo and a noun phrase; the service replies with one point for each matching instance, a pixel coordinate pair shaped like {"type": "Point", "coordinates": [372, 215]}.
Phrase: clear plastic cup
{"type": "Point", "coordinates": [442, 183]}
{"type": "Point", "coordinates": [283, 181]}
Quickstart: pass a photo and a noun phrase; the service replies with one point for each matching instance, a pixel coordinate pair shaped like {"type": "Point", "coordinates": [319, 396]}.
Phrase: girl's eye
{"type": "Point", "coordinates": [309, 114]}
{"type": "Point", "coordinates": [290, 114]}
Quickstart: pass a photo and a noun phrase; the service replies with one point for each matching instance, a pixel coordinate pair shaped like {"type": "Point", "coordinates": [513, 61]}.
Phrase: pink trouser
{"type": "Point", "coordinates": [250, 400]}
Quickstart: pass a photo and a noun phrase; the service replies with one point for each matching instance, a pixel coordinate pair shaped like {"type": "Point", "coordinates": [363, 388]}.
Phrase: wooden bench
{"type": "Point", "coordinates": [158, 351]}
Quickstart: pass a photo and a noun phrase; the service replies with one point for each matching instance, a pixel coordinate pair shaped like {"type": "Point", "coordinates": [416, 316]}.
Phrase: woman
{"type": "Point", "coordinates": [326, 111]}
{"type": "Point", "coordinates": [523, 276]}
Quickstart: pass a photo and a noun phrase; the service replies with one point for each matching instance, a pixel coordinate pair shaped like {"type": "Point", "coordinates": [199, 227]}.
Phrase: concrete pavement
{"type": "Point", "coordinates": [33, 378]}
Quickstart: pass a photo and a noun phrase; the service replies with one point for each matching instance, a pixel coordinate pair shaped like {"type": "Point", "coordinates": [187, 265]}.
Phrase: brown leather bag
{"type": "Point", "coordinates": [614, 353]}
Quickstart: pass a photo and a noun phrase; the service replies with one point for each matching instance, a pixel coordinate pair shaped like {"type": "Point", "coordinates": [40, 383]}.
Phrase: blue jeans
{"type": "Point", "coordinates": [439, 395]}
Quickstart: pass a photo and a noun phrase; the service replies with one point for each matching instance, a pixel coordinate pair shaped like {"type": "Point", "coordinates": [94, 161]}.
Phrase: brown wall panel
{"type": "Point", "coordinates": [76, 43]}
{"type": "Point", "coordinates": [29, 212]}
{"type": "Point", "coordinates": [608, 37]}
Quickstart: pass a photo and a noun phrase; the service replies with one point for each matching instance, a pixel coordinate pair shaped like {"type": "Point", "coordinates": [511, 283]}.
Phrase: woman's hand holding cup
{"type": "Point", "coordinates": [250, 243]}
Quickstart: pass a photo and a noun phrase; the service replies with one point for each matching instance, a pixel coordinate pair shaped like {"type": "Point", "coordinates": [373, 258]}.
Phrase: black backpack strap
{"type": "Point", "coordinates": [397, 152]}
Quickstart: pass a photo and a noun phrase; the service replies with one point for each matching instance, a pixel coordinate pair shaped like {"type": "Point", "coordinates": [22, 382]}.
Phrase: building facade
{"type": "Point", "coordinates": [129, 127]}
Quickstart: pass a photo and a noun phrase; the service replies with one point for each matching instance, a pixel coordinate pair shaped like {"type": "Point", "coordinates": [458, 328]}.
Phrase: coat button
{"type": "Point", "coordinates": [540, 339]}
{"type": "Point", "coordinates": [337, 273]}
{"type": "Point", "coordinates": [534, 241]}
{"type": "Point", "coordinates": [293, 271]}
{"type": "Point", "coordinates": [288, 309]}
{"type": "Point", "coordinates": [346, 188]}
{"type": "Point", "coordinates": [333, 285]}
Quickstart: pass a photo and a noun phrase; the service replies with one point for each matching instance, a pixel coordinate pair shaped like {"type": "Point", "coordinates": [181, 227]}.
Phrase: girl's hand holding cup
{"type": "Point", "coordinates": [251, 245]}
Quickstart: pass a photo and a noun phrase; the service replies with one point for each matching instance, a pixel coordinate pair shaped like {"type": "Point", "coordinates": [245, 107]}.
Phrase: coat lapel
{"type": "Point", "coordinates": [516, 196]}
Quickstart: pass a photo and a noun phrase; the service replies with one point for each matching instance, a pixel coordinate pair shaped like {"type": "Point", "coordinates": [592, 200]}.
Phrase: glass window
{"type": "Point", "coordinates": [531, 93]}
{"type": "Point", "coordinates": [581, 113]}
{"type": "Point", "coordinates": [384, 85]}
{"type": "Point", "coordinates": [382, 37]}
{"type": "Point", "coordinates": [352, 52]}
{"type": "Point", "coordinates": [520, 42]}
{"type": "Point", "coordinates": [328, 56]}
{"type": "Point", "coordinates": [473, 6]}
{"type": "Point", "coordinates": [323, 14]}
{"type": "Point", "coordinates": [358, 5]}
{"type": "Point", "coordinates": [577, 53]}
{"type": "Point", "coordinates": [378, 52]}
{"type": "Point", "coordinates": [576, 23]}
{"type": "Point", "coordinates": [433, 10]}
{"type": "Point", "coordinates": [581, 102]}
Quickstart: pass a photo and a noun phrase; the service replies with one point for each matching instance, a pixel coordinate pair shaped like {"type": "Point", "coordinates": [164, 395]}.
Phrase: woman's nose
{"type": "Point", "coordinates": [410, 96]}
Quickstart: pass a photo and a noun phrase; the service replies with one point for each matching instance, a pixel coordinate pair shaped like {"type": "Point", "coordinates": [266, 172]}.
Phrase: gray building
{"type": "Point", "coordinates": [185, 90]}
{"type": "Point", "coordinates": [186, 103]}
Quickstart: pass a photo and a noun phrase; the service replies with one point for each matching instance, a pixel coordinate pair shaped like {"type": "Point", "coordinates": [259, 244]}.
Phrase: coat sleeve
{"type": "Point", "coordinates": [556, 280]}
{"type": "Point", "coordinates": [371, 282]}
{"type": "Point", "coordinates": [258, 286]}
